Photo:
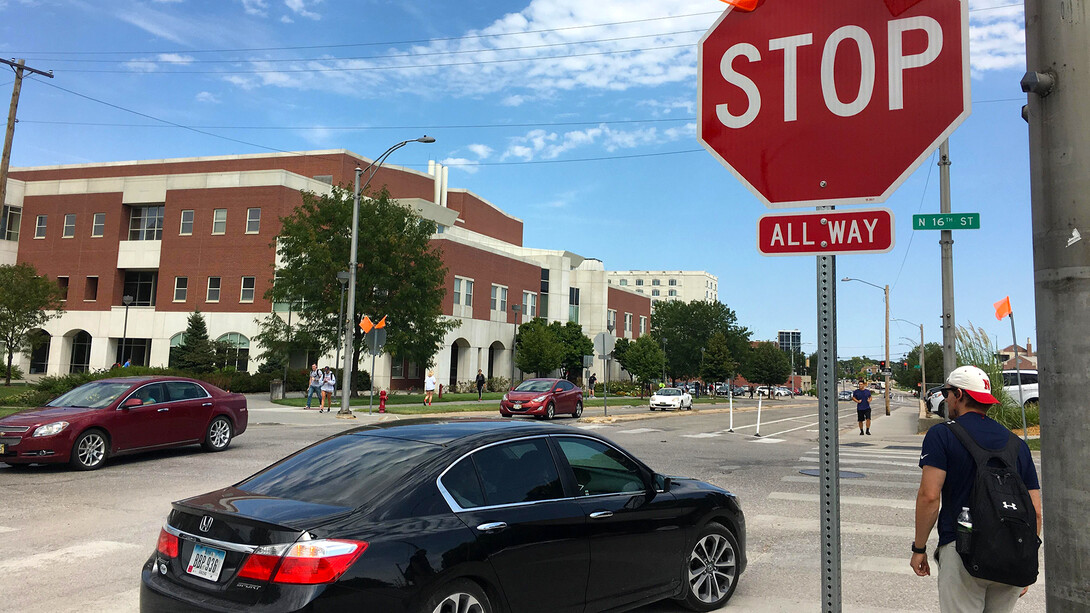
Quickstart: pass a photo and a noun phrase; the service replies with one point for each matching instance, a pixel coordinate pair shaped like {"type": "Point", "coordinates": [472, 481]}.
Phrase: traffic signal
{"type": "Point", "coordinates": [882, 365]}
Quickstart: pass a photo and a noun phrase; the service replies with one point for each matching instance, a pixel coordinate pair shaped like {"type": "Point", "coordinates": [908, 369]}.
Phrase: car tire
{"type": "Point", "coordinates": [710, 572]}
{"type": "Point", "coordinates": [458, 596]}
{"type": "Point", "coordinates": [550, 411]}
{"type": "Point", "coordinates": [90, 450]}
{"type": "Point", "coordinates": [219, 435]}
{"type": "Point", "coordinates": [578, 412]}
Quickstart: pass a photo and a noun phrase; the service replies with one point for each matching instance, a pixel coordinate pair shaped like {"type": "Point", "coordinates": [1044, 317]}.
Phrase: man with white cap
{"type": "Point", "coordinates": [949, 471]}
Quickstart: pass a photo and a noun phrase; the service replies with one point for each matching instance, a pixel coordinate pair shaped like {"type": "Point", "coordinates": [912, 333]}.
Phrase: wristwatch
{"type": "Point", "coordinates": [916, 549]}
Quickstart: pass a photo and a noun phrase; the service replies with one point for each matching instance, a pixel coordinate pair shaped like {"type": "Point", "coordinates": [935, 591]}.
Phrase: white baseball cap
{"type": "Point", "coordinates": [974, 381]}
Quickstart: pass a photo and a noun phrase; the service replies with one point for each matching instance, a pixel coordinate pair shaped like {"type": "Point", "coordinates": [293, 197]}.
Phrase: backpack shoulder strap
{"type": "Point", "coordinates": [982, 456]}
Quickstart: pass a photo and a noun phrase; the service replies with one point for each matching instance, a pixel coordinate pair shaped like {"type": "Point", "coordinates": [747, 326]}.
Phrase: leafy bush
{"type": "Point", "coordinates": [619, 388]}
{"type": "Point", "coordinates": [497, 384]}
{"type": "Point", "coordinates": [1010, 415]}
{"type": "Point", "coordinates": [29, 398]}
{"type": "Point", "coordinates": [16, 372]}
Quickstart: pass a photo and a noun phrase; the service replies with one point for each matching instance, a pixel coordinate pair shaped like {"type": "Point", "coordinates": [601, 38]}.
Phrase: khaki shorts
{"type": "Point", "coordinates": [960, 592]}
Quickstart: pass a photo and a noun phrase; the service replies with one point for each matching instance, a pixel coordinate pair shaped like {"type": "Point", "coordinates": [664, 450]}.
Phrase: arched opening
{"type": "Point", "coordinates": [495, 351]}
{"type": "Point", "coordinates": [458, 356]}
{"type": "Point", "coordinates": [176, 341]}
{"type": "Point", "coordinates": [40, 341]}
{"type": "Point", "coordinates": [235, 351]}
{"type": "Point", "coordinates": [81, 352]}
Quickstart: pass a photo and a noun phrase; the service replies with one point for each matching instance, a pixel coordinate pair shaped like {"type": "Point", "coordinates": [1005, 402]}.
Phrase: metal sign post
{"type": "Point", "coordinates": [376, 339]}
{"type": "Point", "coordinates": [828, 437]}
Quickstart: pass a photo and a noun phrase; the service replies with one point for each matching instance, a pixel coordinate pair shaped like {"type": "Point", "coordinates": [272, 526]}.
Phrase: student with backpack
{"type": "Point", "coordinates": [329, 385]}
{"type": "Point", "coordinates": [989, 518]}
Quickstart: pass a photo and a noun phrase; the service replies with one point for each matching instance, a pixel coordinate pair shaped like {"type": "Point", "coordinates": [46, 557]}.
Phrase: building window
{"type": "Point", "coordinates": [463, 291]}
{"type": "Point", "coordinates": [186, 228]}
{"type": "Point", "coordinates": [673, 292]}
{"type": "Point", "coordinates": [639, 281]}
{"type": "Point", "coordinates": [673, 282]}
{"type": "Point", "coordinates": [253, 221]}
{"type": "Point", "coordinates": [69, 229]}
{"type": "Point", "coordinates": [573, 304]}
{"type": "Point", "coordinates": [624, 281]}
{"type": "Point", "coordinates": [529, 302]}
{"type": "Point", "coordinates": [10, 216]}
{"type": "Point", "coordinates": [213, 294]}
{"type": "Point", "coordinates": [655, 282]}
{"type": "Point", "coordinates": [181, 288]}
{"type": "Point", "coordinates": [611, 319]}
{"type": "Point", "coordinates": [499, 298]}
{"type": "Point", "coordinates": [238, 350]}
{"type": "Point", "coordinates": [90, 289]}
{"type": "Point", "coordinates": [39, 227]}
{"type": "Point", "coordinates": [397, 368]}
{"type": "Point", "coordinates": [643, 325]}
{"type": "Point", "coordinates": [628, 323]}
{"type": "Point", "coordinates": [98, 225]}
{"type": "Point", "coordinates": [544, 293]}
{"type": "Point", "coordinates": [219, 221]}
{"type": "Point", "coordinates": [654, 292]}
{"type": "Point", "coordinates": [62, 282]}
{"type": "Point", "coordinates": [146, 223]}
{"type": "Point", "coordinates": [247, 294]}
{"type": "Point", "coordinates": [141, 286]}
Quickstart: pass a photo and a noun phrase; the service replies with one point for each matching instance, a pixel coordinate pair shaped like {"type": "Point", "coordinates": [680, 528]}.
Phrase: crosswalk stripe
{"type": "Point", "coordinates": [779, 523]}
{"type": "Point", "coordinates": [701, 435]}
{"type": "Point", "coordinates": [852, 500]}
{"type": "Point", "coordinates": [67, 555]}
{"type": "Point", "coordinates": [891, 484]}
{"type": "Point", "coordinates": [592, 426]}
{"type": "Point", "coordinates": [915, 474]}
{"type": "Point", "coordinates": [851, 461]}
{"type": "Point", "coordinates": [4, 529]}
{"type": "Point", "coordinates": [885, 456]}
{"type": "Point", "coordinates": [638, 430]}
{"type": "Point", "coordinates": [766, 439]}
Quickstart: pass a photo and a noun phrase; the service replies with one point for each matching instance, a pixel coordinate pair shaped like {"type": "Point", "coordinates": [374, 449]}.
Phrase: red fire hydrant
{"type": "Point", "coordinates": [382, 401]}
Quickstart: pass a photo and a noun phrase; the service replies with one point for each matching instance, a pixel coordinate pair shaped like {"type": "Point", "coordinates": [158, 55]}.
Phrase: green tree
{"type": "Point", "coordinates": [196, 352]}
{"type": "Point", "coordinates": [909, 377]}
{"type": "Point", "coordinates": [620, 350]}
{"type": "Point", "coordinates": [768, 365]}
{"type": "Point", "coordinates": [575, 344]}
{"type": "Point", "coordinates": [686, 328]}
{"type": "Point", "coordinates": [644, 360]}
{"type": "Point", "coordinates": [539, 350]}
{"type": "Point", "coordinates": [400, 275]}
{"type": "Point", "coordinates": [27, 302]}
{"type": "Point", "coordinates": [718, 363]}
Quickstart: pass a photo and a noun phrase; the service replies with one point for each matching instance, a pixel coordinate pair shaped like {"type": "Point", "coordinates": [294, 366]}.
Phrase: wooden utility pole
{"type": "Point", "coordinates": [19, 66]}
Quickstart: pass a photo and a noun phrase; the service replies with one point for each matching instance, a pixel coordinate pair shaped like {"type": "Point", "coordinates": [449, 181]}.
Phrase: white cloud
{"type": "Point", "coordinates": [286, 19]}
{"type": "Point", "coordinates": [152, 64]}
{"type": "Point", "coordinates": [470, 166]}
{"type": "Point", "coordinates": [481, 151]}
{"type": "Point", "coordinates": [513, 100]}
{"type": "Point", "coordinates": [256, 7]}
{"type": "Point", "coordinates": [299, 7]}
{"type": "Point", "coordinates": [540, 144]}
{"type": "Point", "coordinates": [207, 97]}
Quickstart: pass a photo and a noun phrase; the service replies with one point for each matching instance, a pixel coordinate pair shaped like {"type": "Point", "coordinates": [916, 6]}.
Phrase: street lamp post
{"type": "Point", "coordinates": [664, 360]}
{"type": "Point", "coordinates": [346, 374]}
{"type": "Point", "coordinates": [342, 277]}
{"type": "Point", "coordinates": [885, 290]}
{"type": "Point", "coordinates": [923, 371]}
{"type": "Point", "coordinates": [125, 300]}
{"type": "Point", "coordinates": [517, 308]}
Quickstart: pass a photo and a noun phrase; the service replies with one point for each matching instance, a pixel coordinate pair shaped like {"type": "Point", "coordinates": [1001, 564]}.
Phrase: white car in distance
{"type": "Point", "coordinates": [671, 398]}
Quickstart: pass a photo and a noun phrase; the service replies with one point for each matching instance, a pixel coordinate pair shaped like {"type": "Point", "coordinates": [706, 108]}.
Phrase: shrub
{"type": "Point", "coordinates": [29, 398]}
{"type": "Point", "coordinates": [16, 372]}
{"type": "Point", "coordinates": [1010, 415]}
{"type": "Point", "coordinates": [498, 384]}
{"type": "Point", "coordinates": [619, 388]}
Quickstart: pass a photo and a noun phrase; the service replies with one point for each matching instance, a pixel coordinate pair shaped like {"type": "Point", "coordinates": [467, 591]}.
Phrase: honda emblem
{"type": "Point", "coordinates": [206, 523]}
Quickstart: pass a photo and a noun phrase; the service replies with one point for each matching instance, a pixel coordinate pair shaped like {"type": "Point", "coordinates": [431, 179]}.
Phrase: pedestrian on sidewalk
{"type": "Point", "coordinates": [593, 379]}
{"type": "Point", "coordinates": [329, 385]}
{"type": "Point", "coordinates": [480, 385]}
{"type": "Point", "coordinates": [429, 387]}
{"type": "Point", "coordinates": [861, 397]}
{"type": "Point", "coordinates": [314, 387]}
{"type": "Point", "coordinates": [949, 474]}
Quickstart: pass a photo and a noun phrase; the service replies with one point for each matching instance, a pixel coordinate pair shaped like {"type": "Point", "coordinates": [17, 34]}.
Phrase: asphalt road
{"type": "Point", "coordinates": [76, 541]}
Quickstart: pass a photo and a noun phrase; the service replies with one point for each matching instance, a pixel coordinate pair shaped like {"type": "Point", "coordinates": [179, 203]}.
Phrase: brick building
{"type": "Point", "coordinates": [199, 233]}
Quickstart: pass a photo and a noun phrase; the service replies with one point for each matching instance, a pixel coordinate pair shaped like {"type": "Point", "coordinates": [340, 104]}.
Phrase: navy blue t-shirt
{"type": "Point", "coordinates": [864, 399]}
{"type": "Point", "coordinates": [942, 449]}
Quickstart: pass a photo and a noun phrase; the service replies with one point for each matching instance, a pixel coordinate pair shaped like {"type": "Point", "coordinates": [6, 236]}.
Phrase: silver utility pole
{"type": "Point", "coordinates": [1058, 81]}
{"type": "Point", "coordinates": [946, 242]}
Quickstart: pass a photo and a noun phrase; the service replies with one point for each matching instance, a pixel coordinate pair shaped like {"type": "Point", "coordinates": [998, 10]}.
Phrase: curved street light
{"type": "Point", "coordinates": [885, 290]}
{"type": "Point", "coordinates": [346, 379]}
{"type": "Point", "coordinates": [923, 370]}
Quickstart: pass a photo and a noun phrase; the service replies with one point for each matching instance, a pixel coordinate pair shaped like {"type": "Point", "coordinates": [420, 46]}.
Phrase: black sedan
{"type": "Point", "coordinates": [459, 516]}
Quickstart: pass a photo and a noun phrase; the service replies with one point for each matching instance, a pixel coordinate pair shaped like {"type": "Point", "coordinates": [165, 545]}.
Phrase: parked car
{"type": "Point", "coordinates": [671, 398]}
{"type": "Point", "coordinates": [844, 395]}
{"type": "Point", "coordinates": [740, 390]}
{"type": "Point", "coordinates": [776, 391]}
{"type": "Point", "coordinates": [723, 390]}
{"type": "Point", "coordinates": [544, 398]}
{"type": "Point", "coordinates": [122, 415]}
{"type": "Point", "coordinates": [450, 515]}
{"type": "Point", "coordinates": [1029, 385]}
{"type": "Point", "coordinates": [935, 402]}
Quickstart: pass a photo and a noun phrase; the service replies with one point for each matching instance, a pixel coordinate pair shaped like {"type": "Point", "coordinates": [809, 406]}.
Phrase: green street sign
{"type": "Point", "coordinates": [946, 221]}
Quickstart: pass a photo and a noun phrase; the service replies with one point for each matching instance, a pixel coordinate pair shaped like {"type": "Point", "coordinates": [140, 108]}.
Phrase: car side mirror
{"type": "Point", "coordinates": [662, 482]}
{"type": "Point", "coordinates": [132, 402]}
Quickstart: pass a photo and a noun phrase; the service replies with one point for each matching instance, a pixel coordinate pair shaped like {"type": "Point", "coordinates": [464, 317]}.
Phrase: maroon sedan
{"type": "Point", "coordinates": [119, 416]}
{"type": "Point", "coordinates": [543, 398]}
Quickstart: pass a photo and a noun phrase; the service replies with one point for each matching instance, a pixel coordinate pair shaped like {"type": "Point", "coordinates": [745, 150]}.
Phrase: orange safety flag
{"type": "Point", "coordinates": [1002, 308]}
{"type": "Point", "coordinates": [381, 323]}
{"type": "Point", "coordinates": [743, 5]}
{"type": "Point", "coordinates": [366, 325]}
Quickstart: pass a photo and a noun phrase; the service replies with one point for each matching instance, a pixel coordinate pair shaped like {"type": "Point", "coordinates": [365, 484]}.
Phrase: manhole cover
{"type": "Point", "coordinates": [844, 474]}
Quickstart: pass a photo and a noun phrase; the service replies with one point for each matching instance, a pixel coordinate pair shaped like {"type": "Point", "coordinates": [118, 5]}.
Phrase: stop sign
{"type": "Point", "coordinates": [818, 103]}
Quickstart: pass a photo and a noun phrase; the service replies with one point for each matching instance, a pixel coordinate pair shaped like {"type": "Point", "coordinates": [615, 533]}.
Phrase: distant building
{"type": "Point", "coordinates": [667, 285]}
{"type": "Point", "coordinates": [1027, 359]}
{"type": "Point", "coordinates": [179, 235]}
{"type": "Point", "coordinates": [789, 340]}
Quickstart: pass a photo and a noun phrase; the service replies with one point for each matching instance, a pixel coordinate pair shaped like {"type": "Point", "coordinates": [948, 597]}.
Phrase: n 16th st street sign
{"type": "Point", "coordinates": [946, 221]}
{"type": "Point", "coordinates": [826, 232]}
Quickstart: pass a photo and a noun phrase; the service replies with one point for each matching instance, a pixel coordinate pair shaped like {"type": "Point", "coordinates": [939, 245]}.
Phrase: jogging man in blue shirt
{"type": "Point", "coordinates": [861, 397]}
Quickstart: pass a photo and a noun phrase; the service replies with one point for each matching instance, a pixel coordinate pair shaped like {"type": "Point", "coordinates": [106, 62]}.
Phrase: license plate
{"type": "Point", "coordinates": [3, 448]}
{"type": "Point", "coordinates": [517, 406]}
{"type": "Point", "coordinates": [206, 562]}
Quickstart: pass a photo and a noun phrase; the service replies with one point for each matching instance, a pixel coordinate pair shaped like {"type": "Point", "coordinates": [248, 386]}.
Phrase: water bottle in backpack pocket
{"type": "Point", "coordinates": [965, 531]}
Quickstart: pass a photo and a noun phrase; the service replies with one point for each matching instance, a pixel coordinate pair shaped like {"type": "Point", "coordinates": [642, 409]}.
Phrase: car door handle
{"type": "Point", "coordinates": [163, 410]}
{"type": "Point", "coordinates": [494, 526]}
{"type": "Point", "coordinates": [601, 514]}
{"type": "Point", "coordinates": [206, 404]}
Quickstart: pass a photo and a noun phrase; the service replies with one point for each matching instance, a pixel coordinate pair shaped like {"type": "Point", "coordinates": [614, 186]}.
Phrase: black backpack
{"type": "Point", "coordinates": [1004, 541]}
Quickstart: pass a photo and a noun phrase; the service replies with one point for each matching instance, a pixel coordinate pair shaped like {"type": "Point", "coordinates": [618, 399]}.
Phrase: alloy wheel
{"type": "Point", "coordinates": [712, 568]}
{"type": "Point", "coordinates": [219, 433]}
{"type": "Point", "coordinates": [91, 450]}
{"type": "Point", "coordinates": [459, 603]}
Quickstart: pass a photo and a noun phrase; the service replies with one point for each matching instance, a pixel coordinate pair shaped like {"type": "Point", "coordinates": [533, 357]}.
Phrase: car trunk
{"type": "Point", "coordinates": [229, 524]}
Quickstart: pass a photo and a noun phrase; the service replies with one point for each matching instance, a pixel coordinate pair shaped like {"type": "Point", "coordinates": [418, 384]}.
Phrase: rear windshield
{"type": "Point", "coordinates": [534, 386]}
{"type": "Point", "coordinates": [347, 471]}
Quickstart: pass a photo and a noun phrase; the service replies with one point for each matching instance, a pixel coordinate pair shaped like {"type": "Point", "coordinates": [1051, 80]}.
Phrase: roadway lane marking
{"type": "Point", "coordinates": [701, 435]}
{"type": "Point", "coordinates": [4, 529]}
{"type": "Point", "coordinates": [854, 500]}
{"type": "Point", "coordinates": [853, 461]}
{"type": "Point", "coordinates": [795, 419]}
{"type": "Point", "coordinates": [638, 430]}
{"type": "Point", "coordinates": [773, 523]}
{"type": "Point", "coordinates": [765, 439]}
{"type": "Point", "coordinates": [49, 560]}
{"type": "Point", "coordinates": [915, 474]}
{"type": "Point", "coordinates": [592, 426]}
{"type": "Point", "coordinates": [892, 484]}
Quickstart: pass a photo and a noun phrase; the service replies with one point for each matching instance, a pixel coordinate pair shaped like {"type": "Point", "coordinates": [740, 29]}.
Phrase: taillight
{"type": "Point", "coordinates": [307, 563]}
{"type": "Point", "coordinates": [168, 544]}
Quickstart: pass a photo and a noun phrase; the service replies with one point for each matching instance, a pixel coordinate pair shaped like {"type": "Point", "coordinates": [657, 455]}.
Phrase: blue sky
{"type": "Point", "coordinates": [589, 137]}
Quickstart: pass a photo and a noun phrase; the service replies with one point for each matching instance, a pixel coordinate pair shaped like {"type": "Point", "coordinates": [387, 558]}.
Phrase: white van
{"type": "Point", "coordinates": [1029, 385]}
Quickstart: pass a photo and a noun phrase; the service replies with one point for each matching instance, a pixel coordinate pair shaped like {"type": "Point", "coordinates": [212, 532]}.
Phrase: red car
{"type": "Point", "coordinates": [543, 398]}
{"type": "Point", "coordinates": [119, 416]}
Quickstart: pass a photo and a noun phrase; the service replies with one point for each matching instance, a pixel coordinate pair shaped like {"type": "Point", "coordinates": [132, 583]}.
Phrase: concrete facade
{"type": "Point", "coordinates": [683, 285]}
